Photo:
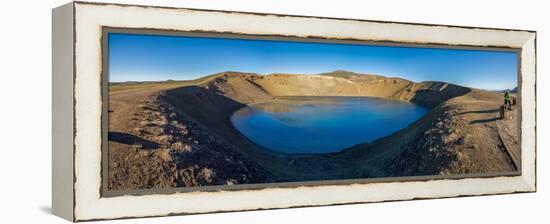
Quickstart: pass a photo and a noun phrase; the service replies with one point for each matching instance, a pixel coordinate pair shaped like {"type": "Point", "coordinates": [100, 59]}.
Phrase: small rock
{"type": "Point", "coordinates": [460, 141]}
{"type": "Point", "coordinates": [180, 147]}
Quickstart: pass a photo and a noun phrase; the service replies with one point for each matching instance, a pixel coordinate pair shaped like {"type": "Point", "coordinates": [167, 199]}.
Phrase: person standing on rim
{"type": "Point", "coordinates": [507, 102]}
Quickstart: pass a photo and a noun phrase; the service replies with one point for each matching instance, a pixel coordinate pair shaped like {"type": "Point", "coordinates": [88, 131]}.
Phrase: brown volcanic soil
{"type": "Point", "coordinates": [152, 146]}
{"type": "Point", "coordinates": [463, 138]}
{"type": "Point", "coordinates": [179, 134]}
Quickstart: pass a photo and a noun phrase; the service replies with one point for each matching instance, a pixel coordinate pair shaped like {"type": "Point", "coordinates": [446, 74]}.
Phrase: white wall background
{"type": "Point", "coordinates": [25, 112]}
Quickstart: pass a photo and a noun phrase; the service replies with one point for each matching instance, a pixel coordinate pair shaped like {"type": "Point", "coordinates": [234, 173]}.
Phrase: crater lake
{"type": "Point", "coordinates": [298, 125]}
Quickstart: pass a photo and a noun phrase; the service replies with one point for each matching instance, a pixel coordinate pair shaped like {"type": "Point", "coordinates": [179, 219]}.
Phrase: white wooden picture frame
{"type": "Point", "coordinates": [77, 111]}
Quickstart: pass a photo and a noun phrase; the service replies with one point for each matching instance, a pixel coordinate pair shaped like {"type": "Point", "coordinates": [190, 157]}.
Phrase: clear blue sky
{"type": "Point", "coordinates": [152, 57]}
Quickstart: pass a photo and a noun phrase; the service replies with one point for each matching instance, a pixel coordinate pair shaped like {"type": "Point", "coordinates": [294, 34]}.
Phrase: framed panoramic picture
{"type": "Point", "coordinates": [162, 111]}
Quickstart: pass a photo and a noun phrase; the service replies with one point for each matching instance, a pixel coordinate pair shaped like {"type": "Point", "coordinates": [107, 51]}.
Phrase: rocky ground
{"type": "Point", "coordinates": [166, 149]}
{"type": "Point", "coordinates": [464, 138]}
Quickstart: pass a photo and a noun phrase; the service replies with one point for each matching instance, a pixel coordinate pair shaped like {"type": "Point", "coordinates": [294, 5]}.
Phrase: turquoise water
{"type": "Point", "coordinates": [323, 124]}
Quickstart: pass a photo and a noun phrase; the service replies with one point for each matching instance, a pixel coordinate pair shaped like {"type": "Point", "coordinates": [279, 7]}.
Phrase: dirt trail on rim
{"type": "Point", "coordinates": [181, 135]}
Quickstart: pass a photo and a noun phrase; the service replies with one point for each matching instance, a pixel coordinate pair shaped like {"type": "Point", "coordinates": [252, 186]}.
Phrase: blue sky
{"type": "Point", "coordinates": [134, 57]}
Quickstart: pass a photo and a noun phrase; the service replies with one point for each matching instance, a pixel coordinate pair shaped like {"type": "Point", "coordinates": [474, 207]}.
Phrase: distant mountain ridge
{"type": "Point", "coordinates": [250, 87]}
{"type": "Point", "coordinates": [337, 73]}
{"type": "Point", "coordinates": [247, 87]}
{"type": "Point", "coordinates": [349, 74]}
{"type": "Point", "coordinates": [513, 90]}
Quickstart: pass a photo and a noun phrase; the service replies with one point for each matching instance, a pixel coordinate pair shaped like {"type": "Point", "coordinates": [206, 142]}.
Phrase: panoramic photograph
{"type": "Point", "coordinates": [189, 111]}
